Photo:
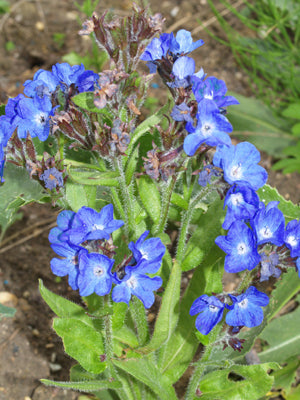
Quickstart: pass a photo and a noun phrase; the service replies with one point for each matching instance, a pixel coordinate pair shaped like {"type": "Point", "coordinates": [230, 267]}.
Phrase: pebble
{"type": "Point", "coordinates": [174, 11]}
{"type": "Point", "coordinates": [26, 294]}
{"type": "Point", "coordinates": [35, 332]}
{"type": "Point", "coordinates": [40, 26]}
{"type": "Point", "coordinates": [151, 317]}
{"type": "Point", "coordinates": [27, 398]}
{"type": "Point", "coordinates": [6, 297]}
{"type": "Point", "coordinates": [49, 345]}
{"type": "Point", "coordinates": [55, 367]}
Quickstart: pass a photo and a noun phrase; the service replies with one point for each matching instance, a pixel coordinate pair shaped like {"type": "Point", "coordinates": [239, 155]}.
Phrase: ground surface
{"type": "Point", "coordinates": [29, 349]}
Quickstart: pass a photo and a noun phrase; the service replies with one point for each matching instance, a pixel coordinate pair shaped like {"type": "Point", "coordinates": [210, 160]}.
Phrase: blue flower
{"type": "Point", "coordinates": [240, 247]}
{"type": "Point", "coordinates": [268, 224]}
{"type": "Point", "coordinates": [6, 130]}
{"type": "Point", "coordinates": [213, 89]}
{"type": "Point", "coordinates": [246, 309]}
{"type": "Point", "coordinates": [158, 47]}
{"type": "Point", "coordinates": [64, 222]}
{"type": "Point", "coordinates": [35, 117]}
{"type": "Point", "coordinates": [183, 43]}
{"type": "Point", "coordinates": [88, 224]}
{"type": "Point", "coordinates": [52, 178]}
{"type": "Point", "coordinates": [151, 250]}
{"type": "Point", "coordinates": [211, 129]}
{"type": "Point", "coordinates": [211, 312]}
{"type": "Point", "coordinates": [242, 203]}
{"type": "Point", "coordinates": [268, 266]}
{"type": "Point", "coordinates": [94, 274]}
{"type": "Point", "coordinates": [11, 111]}
{"type": "Point", "coordinates": [69, 264]}
{"type": "Point", "coordinates": [182, 113]}
{"type": "Point", "coordinates": [206, 174]}
{"type": "Point", "coordinates": [43, 83]}
{"type": "Point", "coordinates": [239, 164]}
{"type": "Point", "coordinates": [292, 237]}
{"type": "Point", "coordinates": [136, 283]}
{"type": "Point", "coordinates": [2, 162]}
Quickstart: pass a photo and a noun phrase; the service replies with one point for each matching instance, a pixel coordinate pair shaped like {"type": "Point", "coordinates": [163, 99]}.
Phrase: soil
{"type": "Point", "coordinates": [29, 348]}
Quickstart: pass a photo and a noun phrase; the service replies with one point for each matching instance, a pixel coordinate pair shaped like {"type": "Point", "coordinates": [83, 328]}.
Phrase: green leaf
{"type": "Point", "coordinates": [131, 165]}
{"type": "Point", "coordinates": [294, 394]}
{"type": "Point", "coordinates": [17, 191]}
{"type": "Point", "coordinates": [77, 373]}
{"type": "Point", "coordinates": [176, 355]}
{"type": "Point", "coordinates": [285, 377]}
{"type": "Point", "coordinates": [238, 383]}
{"type": "Point", "coordinates": [88, 386]}
{"type": "Point", "coordinates": [179, 201]}
{"type": "Point", "coordinates": [2, 109]}
{"type": "Point", "coordinates": [119, 314]}
{"type": "Point", "coordinates": [127, 336]}
{"type": "Point", "coordinates": [6, 311]}
{"type": "Point", "coordinates": [283, 337]}
{"type": "Point", "coordinates": [150, 197]}
{"type": "Point", "coordinates": [82, 342]}
{"type": "Point", "coordinates": [85, 100]}
{"type": "Point", "coordinates": [296, 129]}
{"type": "Point", "coordinates": [145, 126]}
{"type": "Point", "coordinates": [254, 121]}
{"type": "Point", "coordinates": [147, 372]}
{"type": "Point", "coordinates": [168, 313]}
{"type": "Point", "coordinates": [289, 209]}
{"type": "Point", "coordinates": [92, 177]}
{"type": "Point", "coordinates": [292, 111]}
{"type": "Point", "coordinates": [203, 238]}
{"type": "Point", "coordinates": [62, 307]}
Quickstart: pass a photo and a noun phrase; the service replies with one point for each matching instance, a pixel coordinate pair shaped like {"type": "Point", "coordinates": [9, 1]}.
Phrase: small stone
{"type": "Point", "coordinates": [26, 294]}
{"type": "Point", "coordinates": [238, 75]}
{"type": "Point", "coordinates": [53, 357]}
{"type": "Point", "coordinates": [55, 367]}
{"type": "Point", "coordinates": [49, 345]}
{"type": "Point", "coordinates": [27, 398]}
{"type": "Point", "coordinates": [35, 332]}
{"type": "Point", "coordinates": [6, 297]}
{"type": "Point", "coordinates": [40, 26]}
{"type": "Point", "coordinates": [174, 11]}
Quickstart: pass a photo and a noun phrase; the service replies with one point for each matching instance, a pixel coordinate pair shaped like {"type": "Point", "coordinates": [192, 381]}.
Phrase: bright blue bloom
{"type": "Point", "coordinates": [88, 224]}
{"type": "Point", "coordinates": [206, 174]}
{"type": "Point", "coordinates": [151, 250]}
{"type": "Point", "coordinates": [136, 283]}
{"type": "Point", "coordinates": [240, 247]}
{"type": "Point", "coordinates": [211, 128]}
{"type": "Point", "coordinates": [268, 224]}
{"type": "Point", "coordinates": [182, 113]}
{"type": "Point", "coordinates": [246, 309]}
{"type": "Point", "coordinates": [213, 89]}
{"type": "Point", "coordinates": [69, 264]}
{"type": "Point", "coordinates": [2, 162]}
{"type": "Point", "coordinates": [268, 266]}
{"type": "Point", "coordinates": [158, 47]}
{"type": "Point", "coordinates": [64, 222]}
{"type": "Point", "coordinates": [182, 69]}
{"type": "Point", "coordinates": [35, 117]}
{"type": "Point", "coordinates": [6, 130]}
{"type": "Point", "coordinates": [242, 203]}
{"type": "Point", "coordinates": [183, 43]}
{"type": "Point", "coordinates": [11, 111]}
{"type": "Point", "coordinates": [94, 274]}
{"type": "Point", "coordinates": [211, 312]}
{"type": "Point", "coordinates": [52, 178]}
{"type": "Point", "coordinates": [292, 237]}
{"type": "Point", "coordinates": [239, 164]}
{"type": "Point", "coordinates": [43, 83]}
{"type": "Point", "coordinates": [298, 266]}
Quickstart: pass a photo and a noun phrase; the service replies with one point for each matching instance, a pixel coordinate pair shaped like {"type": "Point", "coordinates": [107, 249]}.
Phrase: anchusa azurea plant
{"type": "Point", "coordinates": [143, 201]}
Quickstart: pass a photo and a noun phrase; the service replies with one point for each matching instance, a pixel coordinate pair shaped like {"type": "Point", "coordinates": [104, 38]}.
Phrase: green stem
{"type": "Point", "coordinates": [246, 280]}
{"type": "Point", "coordinates": [127, 199]}
{"type": "Point", "coordinates": [166, 202]}
{"type": "Point", "coordinates": [186, 222]}
{"type": "Point", "coordinates": [117, 202]}
{"type": "Point", "coordinates": [139, 317]}
{"type": "Point", "coordinates": [201, 365]}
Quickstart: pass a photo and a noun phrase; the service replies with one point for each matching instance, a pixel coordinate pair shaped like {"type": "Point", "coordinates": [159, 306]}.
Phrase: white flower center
{"type": "Point", "coordinates": [144, 254]}
{"type": "Point", "coordinates": [132, 282]}
{"type": "Point", "coordinates": [209, 96]}
{"type": "Point", "coordinates": [98, 271]}
{"type": "Point", "coordinates": [243, 303]}
{"type": "Point", "coordinates": [242, 248]}
{"type": "Point", "coordinates": [292, 240]}
{"type": "Point", "coordinates": [266, 232]}
{"type": "Point", "coordinates": [236, 199]}
{"type": "Point", "coordinates": [213, 308]}
{"type": "Point", "coordinates": [207, 129]}
{"type": "Point", "coordinates": [41, 118]}
{"type": "Point", "coordinates": [98, 227]}
{"type": "Point", "coordinates": [236, 172]}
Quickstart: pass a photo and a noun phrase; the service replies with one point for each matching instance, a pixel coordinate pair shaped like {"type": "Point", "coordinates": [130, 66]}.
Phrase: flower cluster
{"type": "Point", "coordinates": [256, 232]}
{"type": "Point", "coordinates": [83, 241]}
